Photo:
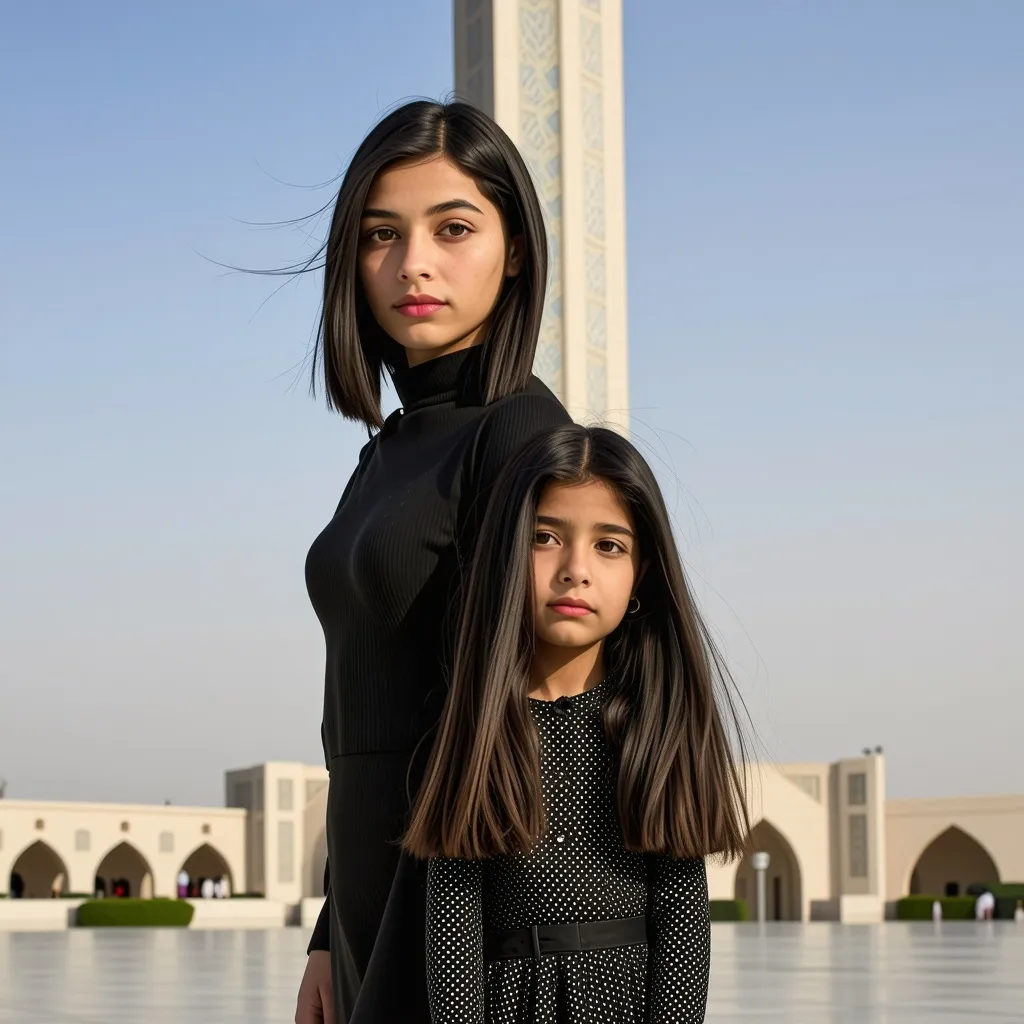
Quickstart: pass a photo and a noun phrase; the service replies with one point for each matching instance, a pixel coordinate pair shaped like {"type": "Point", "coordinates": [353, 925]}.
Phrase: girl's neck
{"type": "Point", "coordinates": [564, 671]}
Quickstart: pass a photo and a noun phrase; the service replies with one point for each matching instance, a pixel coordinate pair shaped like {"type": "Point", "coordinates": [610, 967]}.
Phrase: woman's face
{"type": "Point", "coordinates": [433, 256]}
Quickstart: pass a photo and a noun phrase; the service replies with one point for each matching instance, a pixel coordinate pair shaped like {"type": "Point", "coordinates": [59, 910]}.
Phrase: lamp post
{"type": "Point", "coordinates": [760, 862]}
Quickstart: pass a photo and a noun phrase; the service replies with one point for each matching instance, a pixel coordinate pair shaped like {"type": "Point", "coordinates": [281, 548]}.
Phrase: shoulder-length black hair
{"type": "Point", "coordinates": [670, 715]}
{"type": "Point", "coordinates": [351, 347]}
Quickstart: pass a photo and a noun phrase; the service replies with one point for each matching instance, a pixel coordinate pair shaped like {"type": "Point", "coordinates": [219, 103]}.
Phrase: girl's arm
{"type": "Point", "coordinates": [455, 941]}
{"type": "Point", "coordinates": [680, 958]}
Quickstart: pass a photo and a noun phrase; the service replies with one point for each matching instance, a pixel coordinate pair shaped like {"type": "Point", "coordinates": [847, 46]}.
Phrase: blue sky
{"type": "Point", "coordinates": [826, 287]}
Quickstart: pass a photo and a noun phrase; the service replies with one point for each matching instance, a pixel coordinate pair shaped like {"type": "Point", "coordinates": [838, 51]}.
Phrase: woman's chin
{"type": "Point", "coordinates": [421, 345]}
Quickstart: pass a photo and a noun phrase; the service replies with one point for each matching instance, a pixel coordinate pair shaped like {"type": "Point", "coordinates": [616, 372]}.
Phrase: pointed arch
{"type": "Point", "coordinates": [952, 860]}
{"type": "Point", "coordinates": [206, 861]}
{"type": "Point", "coordinates": [783, 881]}
{"type": "Point", "coordinates": [41, 871]}
{"type": "Point", "coordinates": [124, 863]}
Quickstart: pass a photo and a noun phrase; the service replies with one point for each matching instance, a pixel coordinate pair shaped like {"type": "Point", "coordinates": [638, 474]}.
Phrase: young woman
{"type": "Point", "coordinates": [583, 768]}
{"type": "Point", "coordinates": [435, 270]}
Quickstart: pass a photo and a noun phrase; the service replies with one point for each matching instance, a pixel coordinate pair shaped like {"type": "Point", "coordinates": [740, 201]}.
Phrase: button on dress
{"type": "Point", "coordinates": [577, 872]}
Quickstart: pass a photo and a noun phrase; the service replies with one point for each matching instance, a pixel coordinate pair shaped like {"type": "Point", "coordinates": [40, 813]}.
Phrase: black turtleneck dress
{"type": "Point", "coordinates": [383, 579]}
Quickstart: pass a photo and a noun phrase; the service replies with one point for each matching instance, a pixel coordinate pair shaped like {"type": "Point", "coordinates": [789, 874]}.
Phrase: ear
{"type": "Point", "coordinates": [516, 256]}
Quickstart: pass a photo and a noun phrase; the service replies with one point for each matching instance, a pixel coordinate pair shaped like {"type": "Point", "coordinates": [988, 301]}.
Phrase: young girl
{"type": "Point", "coordinates": [582, 769]}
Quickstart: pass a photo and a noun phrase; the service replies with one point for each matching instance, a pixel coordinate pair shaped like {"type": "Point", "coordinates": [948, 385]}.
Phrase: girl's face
{"type": "Point", "coordinates": [585, 564]}
{"type": "Point", "coordinates": [433, 256]}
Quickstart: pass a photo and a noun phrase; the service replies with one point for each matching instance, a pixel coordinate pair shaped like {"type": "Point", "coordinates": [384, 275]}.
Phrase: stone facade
{"type": "Point", "coordinates": [839, 848]}
{"type": "Point", "coordinates": [550, 73]}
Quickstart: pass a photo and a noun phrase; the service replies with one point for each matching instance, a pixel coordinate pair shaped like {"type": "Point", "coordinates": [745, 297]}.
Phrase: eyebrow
{"type": "Point", "coordinates": [598, 527]}
{"type": "Point", "coordinates": [446, 207]}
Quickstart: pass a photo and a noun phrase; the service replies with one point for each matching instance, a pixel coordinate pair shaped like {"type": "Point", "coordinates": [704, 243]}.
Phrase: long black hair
{"type": "Point", "coordinates": [351, 349]}
{"type": "Point", "coordinates": [670, 715]}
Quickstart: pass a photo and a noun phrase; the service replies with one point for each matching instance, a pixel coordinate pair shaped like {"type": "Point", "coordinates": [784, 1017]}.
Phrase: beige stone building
{"type": "Point", "coordinates": [82, 848]}
{"type": "Point", "coordinates": [838, 848]}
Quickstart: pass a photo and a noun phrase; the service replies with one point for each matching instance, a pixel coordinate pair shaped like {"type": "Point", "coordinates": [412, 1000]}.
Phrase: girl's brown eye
{"type": "Point", "coordinates": [456, 230]}
{"type": "Point", "coordinates": [378, 235]}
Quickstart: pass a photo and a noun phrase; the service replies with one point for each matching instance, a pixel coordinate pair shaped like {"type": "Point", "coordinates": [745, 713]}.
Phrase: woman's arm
{"type": "Point", "coordinates": [680, 957]}
{"type": "Point", "coordinates": [321, 937]}
{"type": "Point", "coordinates": [455, 941]}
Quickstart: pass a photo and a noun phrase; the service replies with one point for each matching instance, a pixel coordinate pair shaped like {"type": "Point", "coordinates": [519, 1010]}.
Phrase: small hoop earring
{"type": "Point", "coordinates": [634, 605]}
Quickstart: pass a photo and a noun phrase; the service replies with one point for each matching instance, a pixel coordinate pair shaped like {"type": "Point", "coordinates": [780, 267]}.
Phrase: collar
{"type": "Point", "coordinates": [439, 380]}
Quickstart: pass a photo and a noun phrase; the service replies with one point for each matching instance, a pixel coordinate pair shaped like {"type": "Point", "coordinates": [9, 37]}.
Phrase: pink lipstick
{"type": "Point", "coordinates": [419, 305]}
{"type": "Point", "coordinates": [571, 606]}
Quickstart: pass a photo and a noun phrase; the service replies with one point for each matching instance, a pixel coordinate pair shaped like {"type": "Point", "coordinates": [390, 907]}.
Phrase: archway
{"type": "Point", "coordinates": [37, 871]}
{"type": "Point", "coordinates": [951, 862]}
{"type": "Point", "coordinates": [124, 868]}
{"type": "Point", "coordinates": [783, 900]}
{"type": "Point", "coordinates": [206, 862]}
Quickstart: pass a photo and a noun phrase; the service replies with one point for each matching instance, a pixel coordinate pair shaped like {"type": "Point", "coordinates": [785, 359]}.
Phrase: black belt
{"type": "Point", "coordinates": [546, 939]}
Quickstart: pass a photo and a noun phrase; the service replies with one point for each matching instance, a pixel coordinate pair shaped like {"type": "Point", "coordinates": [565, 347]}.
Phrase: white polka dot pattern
{"type": "Point", "coordinates": [577, 872]}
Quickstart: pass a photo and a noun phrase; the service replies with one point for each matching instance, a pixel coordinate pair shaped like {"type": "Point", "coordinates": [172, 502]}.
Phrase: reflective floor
{"type": "Point", "coordinates": [799, 974]}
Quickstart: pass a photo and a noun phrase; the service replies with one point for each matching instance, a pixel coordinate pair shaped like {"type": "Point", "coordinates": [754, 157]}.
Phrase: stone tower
{"type": "Point", "coordinates": [550, 73]}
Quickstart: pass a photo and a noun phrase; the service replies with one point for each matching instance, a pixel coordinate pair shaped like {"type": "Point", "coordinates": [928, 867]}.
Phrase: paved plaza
{"type": "Point", "coordinates": [797, 974]}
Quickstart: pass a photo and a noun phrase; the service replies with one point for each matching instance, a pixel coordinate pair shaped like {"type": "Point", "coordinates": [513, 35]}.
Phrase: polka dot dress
{"type": "Point", "coordinates": [577, 872]}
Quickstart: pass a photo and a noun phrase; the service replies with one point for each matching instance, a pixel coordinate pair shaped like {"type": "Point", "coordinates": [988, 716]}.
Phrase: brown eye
{"type": "Point", "coordinates": [542, 537]}
{"type": "Point", "coordinates": [382, 235]}
{"type": "Point", "coordinates": [610, 547]}
{"type": "Point", "coordinates": [456, 230]}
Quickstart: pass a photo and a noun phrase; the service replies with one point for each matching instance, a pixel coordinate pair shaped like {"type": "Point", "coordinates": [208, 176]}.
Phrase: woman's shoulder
{"type": "Point", "coordinates": [511, 421]}
{"type": "Point", "coordinates": [507, 424]}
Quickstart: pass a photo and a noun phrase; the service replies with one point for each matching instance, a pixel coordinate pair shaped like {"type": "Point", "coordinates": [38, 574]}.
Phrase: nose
{"type": "Point", "coordinates": [575, 569]}
{"type": "Point", "coordinates": [416, 264]}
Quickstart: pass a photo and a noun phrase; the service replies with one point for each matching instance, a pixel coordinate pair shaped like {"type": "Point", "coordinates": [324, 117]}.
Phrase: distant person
{"type": "Point", "coordinates": [435, 269]}
{"type": "Point", "coordinates": [206, 889]}
{"type": "Point", "coordinates": [218, 889]}
{"type": "Point", "coordinates": [17, 886]}
{"type": "Point", "coordinates": [936, 910]}
{"type": "Point", "coordinates": [985, 906]}
{"type": "Point", "coordinates": [183, 881]}
{"type": "Point", "coordinates": [582, 771]}
{"type": "Point", "coordinates": [1018, 914]}
{"type": "Point", "coordinates": [225, 887]}
{"type": "Point", "coordinates": [58, 886]}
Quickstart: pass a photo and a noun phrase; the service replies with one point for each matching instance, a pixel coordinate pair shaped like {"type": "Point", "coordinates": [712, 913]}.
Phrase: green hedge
{"type": "Point", "coordinates": [961, 908]}
{"type": "Point", "coordinates": [135, 913]}
{"type": "Point", "coordinates": [1007, 890]}
{"type": "Point", "coordinates": [729, 910]}
{"type": "Point", "coordinates": [919, 908]}
{"type": "Point", "coordinates": [1007, 894]}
